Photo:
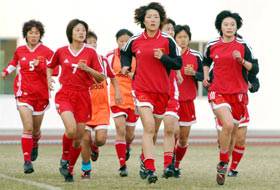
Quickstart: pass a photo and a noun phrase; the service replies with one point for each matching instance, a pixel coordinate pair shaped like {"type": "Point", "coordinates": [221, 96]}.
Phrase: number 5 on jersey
{"type": "Point", "coordinates": [31, 65]}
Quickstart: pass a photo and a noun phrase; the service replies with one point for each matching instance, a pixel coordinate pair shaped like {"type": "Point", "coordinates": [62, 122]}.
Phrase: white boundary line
{"type": "Point", "coordinates": [29, 182]}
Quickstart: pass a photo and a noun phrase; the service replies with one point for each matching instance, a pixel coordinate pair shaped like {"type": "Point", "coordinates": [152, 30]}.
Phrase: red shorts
{"type": "Point", "coordinates": [131, 117]}
{"type": "Point", "coordinates": [187, 113]}
{"type": "Point", "coordinates": [172, 108]}
{"type": "Point", "coordinates": [78, 102]}
{"type": "Point", "coordinates": [237, 103]}
{"type": "Point", "coordinates": [38, 106]}
{"type": "Point", "coordinates": [156, 101]}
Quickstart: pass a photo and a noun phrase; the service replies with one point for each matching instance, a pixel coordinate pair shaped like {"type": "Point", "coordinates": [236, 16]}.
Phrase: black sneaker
{"type": "Point", "coordinates": [86, 174]}
{"type": "Point", "coordinates": [69, 177]}
{"type": "Point", "coordinates": [142, 171]}
{"type": "Point", "coordinates": [28, 167]}
{"type": "Point", "coordinates": [152, 177]}
{"type": "Point", "coordinates": [168, 172]}
{"type": "Point", "coordinates": [123, 171]}
{"type": "Point", "coordinates": [177, 173]}
{"type": "Point", "coordinates": [34, 153]}
{"type": "Point", "coordinates": [232, 173]}
{"type": "Point", "coordinates": [94, 155]}
{"type": "Point", "coordinates": [64, 167]}
{"type": "Point", "coordinates": [221, 172]}
{"type": "Point", "coordinates": [127, 154]}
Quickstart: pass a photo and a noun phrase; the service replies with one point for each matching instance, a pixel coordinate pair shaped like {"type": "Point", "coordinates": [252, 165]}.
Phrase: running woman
{"type": "Point", "coordinates": [228, 85]}
{"type": "Point", "coordinates": [192, 72]}
{"type": "Point", "coordinates": [80, 68]}
{"type": "Point", "coordinates": [123, 114]}
{"type": "Point", "coordinates": [156, 55]}
{"type": "Point", "coordinates": [100, 118]}
{"type": "Point", "coordinates": [30, 87]}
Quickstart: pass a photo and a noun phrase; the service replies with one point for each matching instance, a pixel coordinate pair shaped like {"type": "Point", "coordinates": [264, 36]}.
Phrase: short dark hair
{"type": "Point", "coordinates": [122, 32]}
{"type": "Point", "coordinates": [71, 25]}
{"type": "Point", "coordinates": [169, 21]}
{"type": "Point", "coordinates": [186, 28]}
{"type": "Point", "coordinates": [91, 34]}
{"type": "Point", "coordinates": [140, 13]}
{"type": "Point", "coordinates": [224, 14]}
{"type": "Point", "coordinates": [27, 26]}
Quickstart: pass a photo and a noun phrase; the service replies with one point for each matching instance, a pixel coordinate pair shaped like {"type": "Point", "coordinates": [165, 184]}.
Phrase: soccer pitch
{"type": "Point", "coordinates": [259, 169]}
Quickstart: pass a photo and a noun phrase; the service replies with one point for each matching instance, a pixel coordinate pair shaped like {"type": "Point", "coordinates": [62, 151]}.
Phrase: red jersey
{"type": "Point", "coordinates": [30, 79]}
{"type": "Point", "coordinates": [188, 88]}
{"type": "Point", "coordinates": [173, 90]}
{"type": "Point", "coordinates": [229, 77]}
{"type": "Point", "coordinates": [71, 76]}
{"type": "Point", "coordinates": [151, 74]}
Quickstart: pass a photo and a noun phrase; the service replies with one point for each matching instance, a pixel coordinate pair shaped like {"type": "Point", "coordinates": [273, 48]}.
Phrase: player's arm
{"type": "Point", "coordinates": [11, 66]}
{"type": "Point", "coordinates": [99, 77]}
{"type": "Point", "coordinates": [207, 61]}
{"type": "Point", "coordinates": [118, 96]}
{"type": "Point", "coordinates": [95, 69]}
{"type": "Point", "coordinates": [199, 73]}
{"type": "Point", "coordinates": [173, 60]}
{"type": "Point", "coordinates": [126, 57]}
{"type": "Point", "coordinates": [248, 62]}
{"type": "Point", "coordinates": [54, 62]}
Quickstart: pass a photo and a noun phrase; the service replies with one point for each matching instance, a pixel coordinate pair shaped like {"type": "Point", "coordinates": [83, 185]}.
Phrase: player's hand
{"type": "Point", "coordinates": [118, 98]}
{"type": "Point", "coordinates": [250, 85]}
{"type": "Point", "coordinates": [3, 75]}
{"type": "Point", "coordinates": [237, 56]}
{"type": "Point", "coordinates": [36, 62]}
{"type": "Point", "coordinates": [130, 75]}
{"type": "Point", "coordinates": [206, 82]}
{"type": "Point", "coordinates": [180, 78]}
{"type": "Point", "coordinates": [50, 83]}
{"type": "Point", "coordinates": [124, 70]}
{"type": "Point", "coordinates": [188, 70]}
{"type": "Point", "coordinates": [82, 66]}
{"type": "Point", "coordinates": [158, 53]}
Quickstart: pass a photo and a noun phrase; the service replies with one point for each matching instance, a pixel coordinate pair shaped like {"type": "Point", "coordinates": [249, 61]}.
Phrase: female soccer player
{"type": "Point", "coordinates": [192, 71]}
{"type": "Point", "coordinates": [171, 117]}
{"type": "Point", "coordinates": [228, 86]}
{"type": "Point", "coordinates": [123, 114]}
{"type": "Point", "coordinates": [238, 138]}
{"type": "Point", "coordinates": [31, 87]}
{"type": "Point", "coordinates": [80, 67]}
{"type": "Point", "coordinates": [156, 54]}
{"type": "Point", "coordinates": [100, 118]}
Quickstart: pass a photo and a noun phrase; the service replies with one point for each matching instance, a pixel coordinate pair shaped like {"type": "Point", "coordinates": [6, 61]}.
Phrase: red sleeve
{"type": "Point", "coordinates": [44, 60]}
{"type": "Point", "coordinates": [109, 71]}
{"type": "Point", "coordinates": [96, 62]}
{"type": "Point", "coordinates": [54, 62]}
{"type": "Point", "coordinates": [12, 65]}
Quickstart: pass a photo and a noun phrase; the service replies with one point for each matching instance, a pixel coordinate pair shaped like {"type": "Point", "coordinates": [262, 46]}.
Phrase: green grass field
{"type": "Point", "coordinates": [258, 170]}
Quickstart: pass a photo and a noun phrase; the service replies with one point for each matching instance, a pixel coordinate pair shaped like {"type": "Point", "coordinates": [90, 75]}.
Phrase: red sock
{"type": "Point", "coordinates": [237, 155]}
{"type": "Point", "coordinates": [224, 156]}
{"type": "Point", "coordinates": [142, 157]}
{"type": "Point", "coordinates": [66, 144]}
{"type": "Point", "coordinates": [167, 159]}
{"type": "Point", "coordinates": [121, 149]}
{"type": "Point", "coordinates": [94, 148]}
{"type": "Point", "coordinates": [36, 138]}
{"type": "Point", "coordinates": [150, 164]}
{"type": "Point", "coordinates": [73, 157]}
{"type": "Point", "coordinates": [26, 145]}
{"type": "Point", "coordinates": [179, 154]}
